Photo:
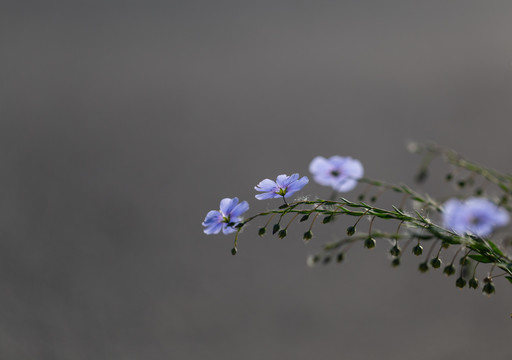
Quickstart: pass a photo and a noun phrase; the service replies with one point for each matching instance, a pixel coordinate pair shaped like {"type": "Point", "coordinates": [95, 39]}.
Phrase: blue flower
{"type": "Point", "coordinates": [340, 173]}
{"type": "Point", "coordinates": [283, 187]}
{"type": "Point", "coordinates": [476, 216]}
{"type": "Point", "coordinates": [226, 218]}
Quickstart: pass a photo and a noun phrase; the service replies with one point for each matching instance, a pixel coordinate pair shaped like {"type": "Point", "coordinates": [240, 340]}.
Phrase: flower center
{"type": "Point", "coordinates": [335, 173]}
{"type": "Point", "coordinates": [225, 219]}
{"type": "Point", "coordinates": [281, 192]}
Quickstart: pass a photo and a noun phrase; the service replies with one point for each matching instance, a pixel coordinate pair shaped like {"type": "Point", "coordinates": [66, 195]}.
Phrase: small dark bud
{"type": "Point", "coordinates": [436, 263]}
{"type": "Point", "coordinates": [339, 257]}
{"type": "Point", "coordinates": [395, 250]}
{"type": "Point", "coordinates": [369, 243]}
{"type": "Point", "coordinates": [395, 262]}
{"type": "Point", "coordinates": [275, 229]}
{"type": "Point", "coordinates": [488, 287]}
{"type": "Point", "coordinates": [417, 250]}
{"type": "Point", "coordinates": [460, 282]}
{"type": "Point", "coordinates": [421, 176]}
{"type": "Point", "coordinates": [327, 260]}
{"type": "Point", "coordinates": [262, 231]}
{"type": "Point", "coordinates": [308, 235]}
{"type": "Point", "coordinates": [478, 191]}
{"type": "Point", "coordinates": [423, 267]}
{"type": "Point", "coordinates": [234, 251]}
{"type": "Point", "coordinates": [449, 177]}
{"type": "Point", "coordinates": [282, 234]}
{"type": "Point", "coordinates": [351, 230]}
{"type": "Point", "coordinates": [461, 183]}
{"type": "Point", "coordinates": [449, 270]}
{"type": "Point", "coordinates": [373, 199]}
{"type": "Point", "coordinates": [473, 283]}
{"type": "Point", "coordinates": [304, 218]}
{"type": "Point", "coordinates": [327, 219]}
{"type": "Point", "coordinates": [360, 197]}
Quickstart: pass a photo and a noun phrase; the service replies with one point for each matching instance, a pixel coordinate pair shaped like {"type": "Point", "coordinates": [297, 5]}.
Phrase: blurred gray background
{"type": "Point", "coordinates": [123, 123]}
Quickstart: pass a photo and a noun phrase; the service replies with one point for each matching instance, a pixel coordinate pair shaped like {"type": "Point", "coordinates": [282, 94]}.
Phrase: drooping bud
{"type": "Point", "coordinates": [395, 250]}
{"type": "Point", "coordinates": [262, 231]}
{"type": "Point", "coordinates": [488, 287]}
{"type": "Point", "coordinates": [327, 219]}
{"type": "Point", "coordinates": [421, 176]}
{"type": "Point", "coordinates": [308, 235]}
{"type": "Point", "coordinates": [435, 262]}
{"type": "Point", "coordinates": [275, 229]}
{"type": "Point", "coordinates": [460, 282]}
{"type": "Point", "coordinates": [370, 243]}
{"type": "Point", "coordinates": [351, 230]}
{"type": "Point", "coordinates": [282, 234]}
{"type": "Point", "coordinates": [395, 262]}
{"type": "Point", "coordinates": [449, 270]}
{"type": "Point", "coordinates": [304, 218]}
{"type": "Point", "coordinates": [473, 283]}
{"type": "Point", "coordinates": [417, 250]}
{"type": "Point", "coordinates": [234, 251]}
{"type": "Point", "coordinates": [327, 260]}
{"type": "Point", "coordinates": [423, 267]}
{"type": "Point", "coordinates": [339, 257]}
{"type": "Point", "coordinates": [449, 177]}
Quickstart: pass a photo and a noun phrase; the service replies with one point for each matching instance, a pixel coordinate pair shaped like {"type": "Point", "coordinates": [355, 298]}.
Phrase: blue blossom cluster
{"type": "Point", "coordinates": [340, 173]}
{"type": "Point", "coordinates": [475, 216]}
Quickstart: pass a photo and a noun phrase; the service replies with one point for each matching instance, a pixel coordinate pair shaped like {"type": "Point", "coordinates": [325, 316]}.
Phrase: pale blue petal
{"type": "Point", "coordinates": [344, 185]}
{"type": "Point", "coordinates": [283, 181]}
{"type": "Point", "coordinates": [213, 216]}
{"type": "Point", "coordinates": [239, 210]}
{"type": "Point", "coordinates": [228, 229]}
{"type": "Point", "coordinates": [266, 185]}
{"type": "Point", "coordinates": [320, 165]}
{"type": "Point", "coordinates": [296, 185]}
{"type": "Point", "coordinates": [267, 195]}
{"type": "Point", "coordinates": [227, 205]}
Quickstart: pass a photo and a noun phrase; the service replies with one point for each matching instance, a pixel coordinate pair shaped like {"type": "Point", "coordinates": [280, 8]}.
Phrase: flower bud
{"type": "Point", "coordinates": [262, 231]}
{"type": "Point", "coordinates": [360, 197]}
{"type": "Point", "coordinates": [449, 177]}
{"type": "Point", "coordinates": [339, 257]}
{"type": "Point", "coordinates": [464, 261]}
{"type": "Point", "coordinates": [417, 250]}
{"type": "Point", "coordinates": [423, 267]}
{"type": "Point", "coordinates": [327, 219]}
{"type": "Point", "coordinates": [435, 262]}
{"type": "Point", "coordinates": [395, 250]}
{"type": "Point", "coordinates": [308, 235]}
{"type": "Point", "coordinates": [460, 282]}
{"type": "Point", "coordinates": [304, 218]}
{"type": "Point", "coordinates": [282, 234]}
{"type": "Point", "coordinates": [421, 176]}
{"type": "Point", "coordinates": [351, 230]}
{"type": "Point", "coordinates": [488, 287]}
{"type": "Point", "coordinates": [395, 262]}
{"type": "Point", "coordinates": [449, 270]}
{"type": "Point", "coordinates": [275, 229]}
{"type": "Point", "coordinates": [369, 243]}
{"type": "Point", "coordinates": [373, 199]}
{"type": "Point", "coordinates": [473, 283]}
{"type": "Point", "coordinates": [234, 251]}
{"type": "Point", "coordinates": [327, 260]}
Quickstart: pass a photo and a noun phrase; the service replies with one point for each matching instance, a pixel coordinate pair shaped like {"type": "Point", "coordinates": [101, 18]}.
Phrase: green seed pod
{"type": "Point", "coordinates": [417, 250]}
{"type": "Point", "coordinates": [435, 262]}
{"type": "Point", "coordinates": [304, 218]}
{"type": "Point", "coordinates": [449, 270]}
{"type": "Point", "coordinates": [275, 229]}
{"type": "Point", "coordinates": [339, 257]}
{"type": "Point", "coordinates": [234, 251]}
{"type": "Point", "coordinates": [370, 243]}
{"type": "Point", "coordinates": [351, 230]}
{"type": "Point", "coordinates": [460, 282]}
{"type": "Point", "coordinates": [308, 235]}
{"type": "Point", "coordinates": [423, 267]}
{"type": "Point", "coordinates": [473, 283]}
{"type": "Point", "coordinates": [262, 231]}
{"type": "Point", "coordinates": [488, 288]}
{"type": "Point", "coordinates": [449, 177]}
{"type": "Point", "coordinates": [395, 262]}
{"type": "Point", "coordinates": [395, 250]}
{"type": "Point", "coordinates": [282, 234]}
{"type": "Point", "coordinates": [327, 219]}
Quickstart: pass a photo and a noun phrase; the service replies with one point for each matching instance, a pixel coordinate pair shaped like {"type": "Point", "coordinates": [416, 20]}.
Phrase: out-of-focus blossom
{"type": "Point", "coordinates": [340, 173]}
{"type": "Point", "coordinates": [476, 216]}
{"type": "Point", "coordinates": [226, 218]}
{"type": "Point", "coordinates": [283, 187]}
